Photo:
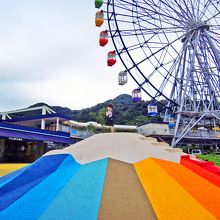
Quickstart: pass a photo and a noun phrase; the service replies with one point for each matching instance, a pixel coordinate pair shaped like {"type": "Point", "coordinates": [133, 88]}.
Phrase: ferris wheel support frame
{"type": "Point", "coordinates": [178, 136]}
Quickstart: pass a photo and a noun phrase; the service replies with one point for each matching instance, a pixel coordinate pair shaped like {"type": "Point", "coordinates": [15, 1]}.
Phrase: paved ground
{"type": "Point", "coordinates": [126, 147]}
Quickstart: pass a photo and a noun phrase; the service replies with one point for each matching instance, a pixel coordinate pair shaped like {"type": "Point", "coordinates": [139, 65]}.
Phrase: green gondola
{"type": "Point", "coordinates": [98, 3]}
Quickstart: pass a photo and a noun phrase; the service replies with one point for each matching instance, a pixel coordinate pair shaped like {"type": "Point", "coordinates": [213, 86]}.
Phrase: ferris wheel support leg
{"type": "Point", "coordinates": [215, 51]}
{"type": "Point", "coordinates": [173, 144]}
{"type": "Point", "coordinates": [176, 137]}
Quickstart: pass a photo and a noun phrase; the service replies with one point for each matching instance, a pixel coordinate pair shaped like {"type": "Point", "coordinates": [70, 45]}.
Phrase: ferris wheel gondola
{"type": "Point", "coordinates": [103, 38]}
{"type": "Point", "coordinates": [136, 95]}
{"type": "Point", "coordinates": [111, 58]}
{"type": "Point", "coordinates": [98, 3]}
{"type": "Point", "coordinates": [122, 78]}
{"type": "Point", "coordinates": [99, 18]}
{"type": "Point", "coordinates": [152, 109]}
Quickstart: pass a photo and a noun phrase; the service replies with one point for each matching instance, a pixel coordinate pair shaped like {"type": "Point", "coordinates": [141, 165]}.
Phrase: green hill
{"type": "Point", "coordinates": [125, 111]}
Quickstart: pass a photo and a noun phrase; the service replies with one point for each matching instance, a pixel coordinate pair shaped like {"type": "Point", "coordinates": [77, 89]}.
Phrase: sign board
{"type": "Point", "coordinates": [15, 139]}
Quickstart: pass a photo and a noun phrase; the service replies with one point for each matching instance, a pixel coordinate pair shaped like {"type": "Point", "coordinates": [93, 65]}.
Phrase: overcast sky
{"type": "Point", "coordinates": [49, 53]}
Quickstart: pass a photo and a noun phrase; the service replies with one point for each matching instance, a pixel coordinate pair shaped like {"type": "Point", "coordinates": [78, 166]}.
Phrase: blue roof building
{"type": "Point", "coordinates": [24, 139]}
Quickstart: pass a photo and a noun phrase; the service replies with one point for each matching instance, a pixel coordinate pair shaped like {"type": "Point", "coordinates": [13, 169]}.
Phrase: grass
{"type": "Point", "coordinates": [211, 157]}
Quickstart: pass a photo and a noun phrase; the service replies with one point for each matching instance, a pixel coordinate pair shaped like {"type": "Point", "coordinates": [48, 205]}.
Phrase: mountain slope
{"type": "Point", "coordinates": [125, 111]}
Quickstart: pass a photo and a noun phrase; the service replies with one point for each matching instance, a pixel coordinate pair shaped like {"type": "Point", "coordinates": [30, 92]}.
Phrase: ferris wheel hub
{"type": "Point", "coordinates": [195, 25]}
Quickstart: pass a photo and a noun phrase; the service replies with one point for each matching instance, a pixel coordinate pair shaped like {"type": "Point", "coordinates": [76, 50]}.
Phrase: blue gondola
{"type": "Point", "coordinates": [171, 120]}
{"type": "Point", "coordinates": [152, 109]}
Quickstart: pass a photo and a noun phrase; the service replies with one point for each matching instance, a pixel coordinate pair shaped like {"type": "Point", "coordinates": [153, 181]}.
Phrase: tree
{"type": "Point", "coordinates": [99, 116]}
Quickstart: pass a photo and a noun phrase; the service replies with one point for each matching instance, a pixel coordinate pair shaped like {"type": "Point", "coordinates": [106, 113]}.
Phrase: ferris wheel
{"type": "Point", "coordinates": [171, 49]}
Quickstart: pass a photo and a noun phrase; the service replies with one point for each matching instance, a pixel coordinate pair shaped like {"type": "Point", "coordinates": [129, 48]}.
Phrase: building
{"type": "Point", "coordinates": [24, 137]}
{"type": "Point", "coordinates": [152, 128]}
{"type": "Point", "coordinates": [199, 137]}
{"type": "Point", "coordinates": [82, 130]}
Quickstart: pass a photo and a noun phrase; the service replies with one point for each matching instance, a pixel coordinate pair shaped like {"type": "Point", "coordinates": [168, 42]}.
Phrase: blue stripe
{"type": "Point", "coordinates": [29, 178]}
{"type": "Point", "coordinates": [33, 203]}
{"type": "Point", "coordinates": [5, 179]}
{"type": "Point", "coordinates": [81, 197]}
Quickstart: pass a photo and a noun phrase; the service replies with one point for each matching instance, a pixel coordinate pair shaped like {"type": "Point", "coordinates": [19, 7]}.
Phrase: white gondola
{"type": "Point", "coordinates": [122, 78]}
{"type": "Point", "coordinates": [152, 109]}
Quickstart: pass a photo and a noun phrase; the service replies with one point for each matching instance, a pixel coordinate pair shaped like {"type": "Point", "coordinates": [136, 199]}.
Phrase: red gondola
{"type": "Point", "coordinates": [103, 39]}
{"type": "Point", "coordinates": [111, 58]}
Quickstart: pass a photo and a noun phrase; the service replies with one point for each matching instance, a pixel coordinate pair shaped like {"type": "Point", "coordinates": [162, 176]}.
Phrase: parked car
{"type": "Point", "coordinates": [196, 151]}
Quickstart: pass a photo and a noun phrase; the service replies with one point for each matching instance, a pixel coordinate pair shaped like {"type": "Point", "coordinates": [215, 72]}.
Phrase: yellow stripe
{"type": "Point", "coordinates": [168, 198]}
{"type": "Point", "coordinates": [8, 168]}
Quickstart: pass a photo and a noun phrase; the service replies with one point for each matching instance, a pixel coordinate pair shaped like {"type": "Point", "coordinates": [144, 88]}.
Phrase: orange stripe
{"type": "Point", "coordinates": [201, 189]}
{"type": "Point", "coordinates": [169, 199]}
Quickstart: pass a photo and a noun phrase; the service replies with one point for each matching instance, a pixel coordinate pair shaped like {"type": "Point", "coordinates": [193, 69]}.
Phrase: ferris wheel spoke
{"type": "Point", "coordinates": [146, 31]}
{"type": "Point", "coordinates": [166, 77]}
{"type": "Point", "coordinates": [214, 30]}
{"type": "Point", "coordinates": [150, 44]}
{"type": "Point", "coordinates": [187, 12]}
{"type": "Point", "coordinates": [184, 10]}
{"type": "Point", "coordinates": [161, 13]}
{"type": "Point", "coordinates": [162, 44]}
{"type": "Point", "coordinates": [152, 24]}
{"type": "Point", "coordinates": [153, 54]}
{"type": "Point", "coordinates": [155, 93]}
{"type": "Point", "coordinates": [193, 6]}
{"type": "Point", "coordinates": [205, 8]}
{"type": "Point", "coordinates": [143, 21]}
{"type": "Point", "coordinates": [147, 20]}
{"type": "Point", "coordinates": [122, 20]}
{"type": "Point", "coordinates": [164, 83]}
{"type": "Point", "coordinates": [154, 45]}
{"type": "Point", "coordinates": [137, 31]}
{"type": "Point", "coordinates": [173, 67]}
{"type": "Point", "coordinates": [173, 10]}
{"type": "Point", "coordinates": [214, 5]}
{"type": "Point", "coordinates": [214, 16]}
{"type": "Point", "coordinates": [196, 6]}
{"type": "Point", "coordinates": [174, 49]}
